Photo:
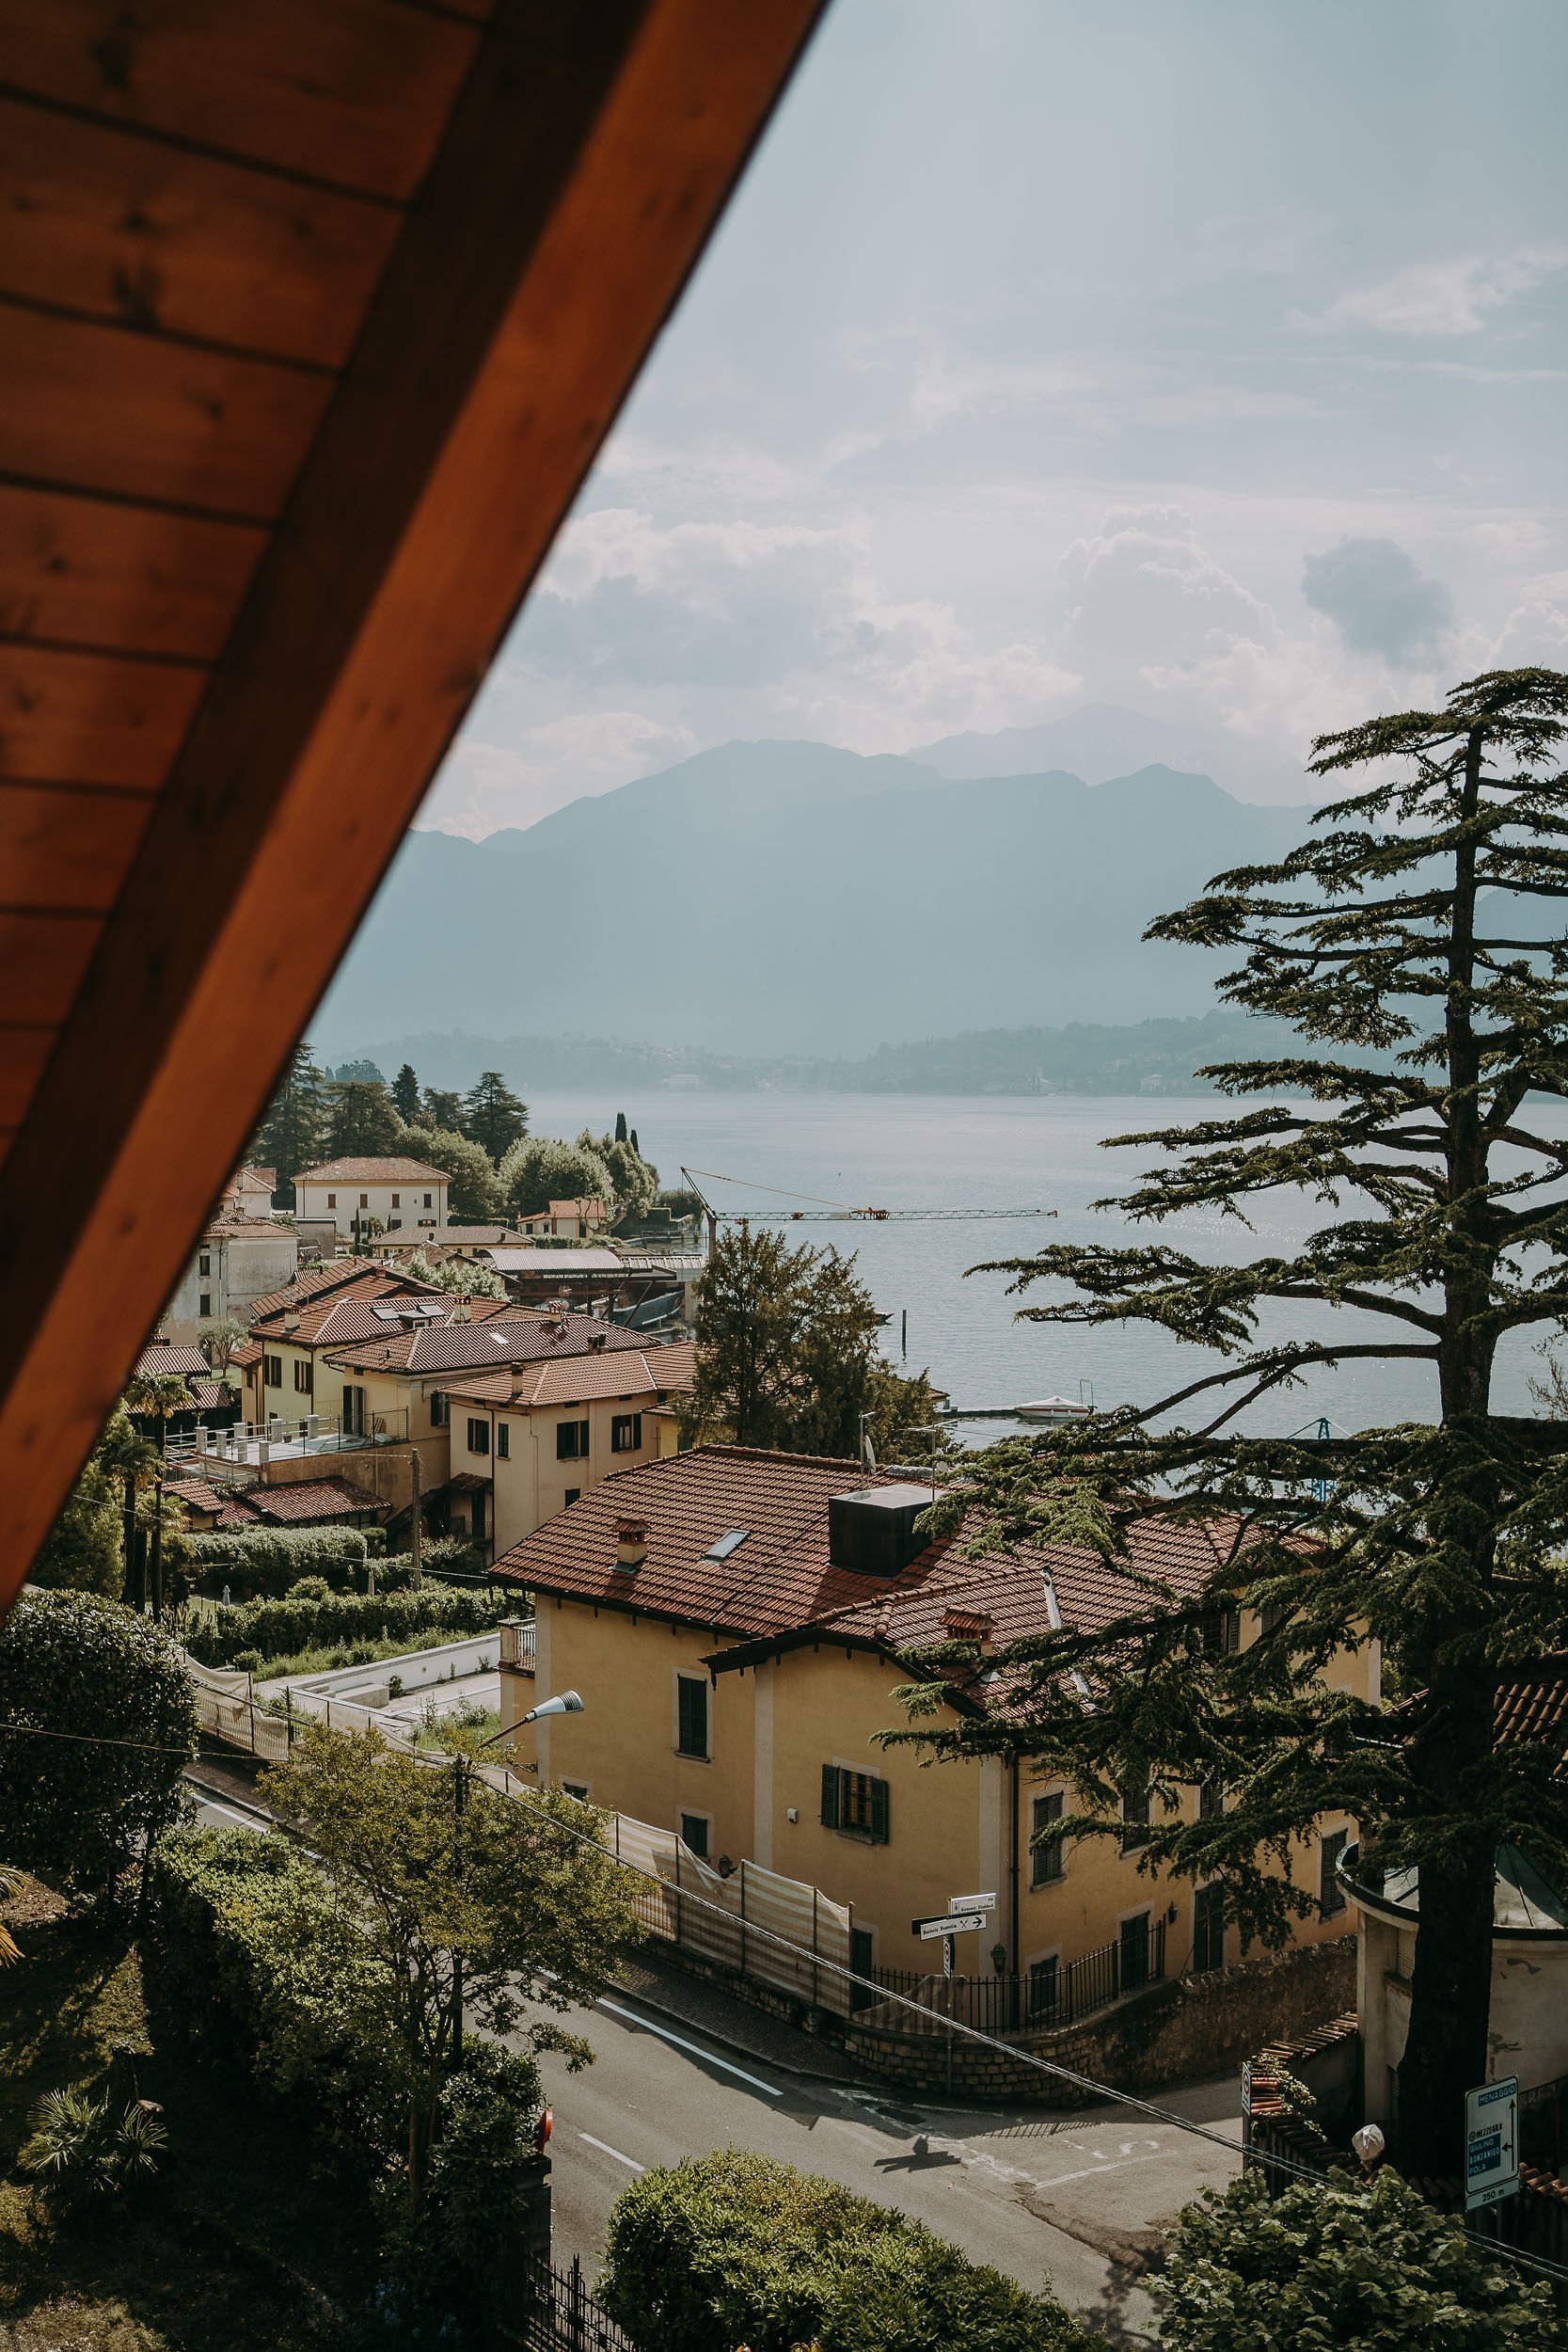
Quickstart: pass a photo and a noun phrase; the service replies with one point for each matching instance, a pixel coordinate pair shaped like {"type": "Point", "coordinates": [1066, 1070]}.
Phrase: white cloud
{"type": "Point", "coordinates": [1453, 298]}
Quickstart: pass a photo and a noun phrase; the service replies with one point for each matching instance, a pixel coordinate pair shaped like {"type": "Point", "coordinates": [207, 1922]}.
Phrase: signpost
{"type": "Point", "coordinates": [1490, 2142]}
{"type": "Point", "coordinates": [965, 1916]}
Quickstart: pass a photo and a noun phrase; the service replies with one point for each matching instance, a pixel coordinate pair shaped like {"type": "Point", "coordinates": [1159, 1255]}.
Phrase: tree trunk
{"type": "Point", "coordinates": [1451, 1993]}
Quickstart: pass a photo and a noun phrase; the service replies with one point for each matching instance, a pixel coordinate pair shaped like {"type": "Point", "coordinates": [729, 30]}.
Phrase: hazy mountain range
{"type": "Point", "coordinates": [790, 899]}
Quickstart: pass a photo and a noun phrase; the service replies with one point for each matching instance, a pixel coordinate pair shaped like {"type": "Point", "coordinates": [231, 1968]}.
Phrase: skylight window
{"type": "Point", "coordinates": [726, 1544]}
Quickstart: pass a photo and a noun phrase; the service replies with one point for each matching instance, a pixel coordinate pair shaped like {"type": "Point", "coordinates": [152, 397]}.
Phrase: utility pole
{"type": "Point", "coordinates": [416, 1515]}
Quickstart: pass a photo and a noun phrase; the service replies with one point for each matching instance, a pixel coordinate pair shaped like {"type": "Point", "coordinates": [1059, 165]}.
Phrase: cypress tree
{"type": "Point", "coordinates": [1418, 934]}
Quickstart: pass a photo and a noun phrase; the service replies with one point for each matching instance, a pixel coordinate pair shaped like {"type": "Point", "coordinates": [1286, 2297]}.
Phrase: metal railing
{"type": "Point", "coordinates": [258, 1442]}
{"type": "Point", "coordinates": [1043, 1998]}
{"type": "Point", "coordinates": [560, 2315]}
{"type": "Point", "coordinates": [1543, 2119]}
{"type": "Point", "coordinates": [516, 1649]}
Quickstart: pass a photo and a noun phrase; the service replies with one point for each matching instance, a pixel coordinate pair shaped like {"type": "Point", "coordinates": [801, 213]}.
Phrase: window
{"type": "Point", "coordinates": [577, 1789]}
{"type": "Point", "coordinates": [1208, 1929]}
{"type": "Point", "coordinates": [503, 1441]}
{"type": "Point", "coordinates": [427, 1200]}
{"type": "Point", "coordinates": [397, 1199]}
{"type": "Point", "coordinates": [364, 1200]}
{"type": "Point", "coordinates": [1210, 1800]}
{"type": "Point", "coordinates": [204, 1262]}
{"type": "Point", "coordinates": [571, 1441]}
{"type": "Point", "coordinates": [1331, 1895]}
{"type": "Point", "coordinates": [1135, 1818]}
{"type": "Point", "coordinates": [1220, 1631]}
{"type": "Point", "coordinates": [626, 1433]}
{"type": "Point", "coordinates": [331, 1199]}
{"type": "Point", "coordinates": [855, 1803]}
{"type": "Point", "coordinates": [693, 1830]}
{"type": "Point", "coordinates": [305, 1376]}
{"type": "Point", "coordinates": [479, 1436]}
{"type": "Point", "coordinates": [271, 1371]}
{"type": "Point", "coordinates": [1135, 1952]}
{"type": "Point", "coordinates": [1272, 1617]}
{"type": "Point", "coordinates": [1043, 1990]}
{"type": "Point", "coordinates": [573, 1494]}
{"type": "Point", "coordinates": [354, 1412]}
{"type": "Point", "coordinates": [441, 1411]}
{"type": "Point", "coordinates": [204, 1304]}
{"type": "Point", "coordinates": [1046, 1858]}
{"type": "Point", "coordinates": [692, 1715]}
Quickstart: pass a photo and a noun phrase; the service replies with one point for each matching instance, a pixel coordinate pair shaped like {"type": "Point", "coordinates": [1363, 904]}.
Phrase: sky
{"type": "Point", "coordinates": [1198, 356]}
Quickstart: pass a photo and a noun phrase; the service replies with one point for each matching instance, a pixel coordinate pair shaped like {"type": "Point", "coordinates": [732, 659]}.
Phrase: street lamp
{"type": "Point", "coordinates": [568, 1703]}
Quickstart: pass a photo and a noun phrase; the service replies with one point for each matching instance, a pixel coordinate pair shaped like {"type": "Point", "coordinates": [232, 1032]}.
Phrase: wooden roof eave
{"type": "Point", "coordinates": [584, 162]}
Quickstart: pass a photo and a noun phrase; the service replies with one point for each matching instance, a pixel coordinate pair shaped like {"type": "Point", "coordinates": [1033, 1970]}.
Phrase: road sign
{"type": "Point", "coordinates": [948, 1923]}
{"type": "Point", "coordinates": [971, 1902]}
{"type": "Point", "coordinates": [1490, 2142]}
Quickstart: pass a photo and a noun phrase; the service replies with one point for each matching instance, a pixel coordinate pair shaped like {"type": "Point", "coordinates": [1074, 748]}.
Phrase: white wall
{"type": "Point", "coordinates": [401, 1204]}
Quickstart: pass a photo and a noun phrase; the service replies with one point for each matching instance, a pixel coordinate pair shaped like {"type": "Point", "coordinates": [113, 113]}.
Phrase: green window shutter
{"type": "Point", "coordinates": [879, 1813]}
{"type": "Point", "coordinates": [829, 1796]}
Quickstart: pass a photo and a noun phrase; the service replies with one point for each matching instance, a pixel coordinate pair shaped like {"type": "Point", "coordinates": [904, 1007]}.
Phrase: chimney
{"type": "Point", "coordinates": [290, 1321]}
{"type": "Point", "coordinates": [631, 1544]}
{"type": "Point", "coordinates": [971, 1625]}
{"type": "Point", "coordinates": [464, 1311]}
{"type": "Point", "coordinates": [597, 1343]}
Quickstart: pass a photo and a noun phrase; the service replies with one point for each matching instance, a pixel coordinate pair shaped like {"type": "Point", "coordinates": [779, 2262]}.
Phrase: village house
{"type": "Point", "coordinates": [565, 1220]}
{"type": "Point", "coordinates": [244, 1253]}
{"type": "Point", "coordinates": [404, 1376]}
{"type": "Point", "coordinates": [359, 1196]}
{"type": "Point", "coordinates": [292, 1330]}
{"type": "Point", "coordinates": [225, 1508]}
{"type": "Point", "coordinates": [736, 1623]}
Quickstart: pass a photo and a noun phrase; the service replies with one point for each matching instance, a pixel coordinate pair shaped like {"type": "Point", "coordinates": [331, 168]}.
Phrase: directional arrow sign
{"type": "Point", "coordinates": [948, 1923]}
{"type": "Point", "coordinates": [971, 1902]}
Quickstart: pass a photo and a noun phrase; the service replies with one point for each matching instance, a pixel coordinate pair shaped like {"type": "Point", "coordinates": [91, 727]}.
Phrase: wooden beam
{"type": "Point", "coordinates": [587, 158]}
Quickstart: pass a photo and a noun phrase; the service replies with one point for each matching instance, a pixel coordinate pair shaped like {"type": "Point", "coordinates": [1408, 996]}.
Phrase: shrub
{"type": "Point", "coordinates": [1329, 2264]}
{"type": "Point", "coordinates": [86, 2149]}
{"type": "Point", "coordinates": [740, 2248]}
{"type": "Point", "coordinates": [272, 1559]}
{"type": "Point", "coordinates": [450, 2255]}
{"type": "Point", "coordinates": [279, 1628]}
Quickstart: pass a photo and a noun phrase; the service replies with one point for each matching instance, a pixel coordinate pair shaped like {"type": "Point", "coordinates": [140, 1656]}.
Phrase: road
{"type": "Point", "coordinates": [1075, 2202]}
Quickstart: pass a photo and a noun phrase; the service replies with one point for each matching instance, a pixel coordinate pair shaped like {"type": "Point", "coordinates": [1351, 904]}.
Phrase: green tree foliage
{"type": "Point", "coordinates": [87, 2148]}
{"type": "Point", "coordinates": [493, 1116]}
{"type": "Point", "coordinates": [459, 1275]}
{"type": "Point", "coordinates": [217, 1339]}
{"type": "Point", "coordinates": [441, 1108]}
{"type": "Point", "coordinates": [362, 1121]}
{"type": "Point", "coordinates": [787, 1354]}
{"type": "Point", "coordinates": [475, 1194]}
{"type": "Point", "coordinates": [541, 1169]}
{"type": "Point", "coordinates": [621, 1130]}
{"type": "Point", "coordinates": [277, 1629]}
{"type": "Point", "coordinates": [84, 1550]}
{"type": "Point", "coordinates": [434, 1868]}
{"type": "Point", "coordinates": [736, 2248]}
{"type": "Point", "coordinates": [76, 1674]}
{"type": "Point", "coordinates": [1338, 2266]}
{"type": "Point", "coordinates": [294, 1134]}
{"type": "Point", "coordinates": [405, 1094]}
{"type": "Point", "coordinates": [271, 1558]}
{"type": "Point", "coordinates": [1401, 931]}
{"type": "Point", "coordinates": [634, 1185]}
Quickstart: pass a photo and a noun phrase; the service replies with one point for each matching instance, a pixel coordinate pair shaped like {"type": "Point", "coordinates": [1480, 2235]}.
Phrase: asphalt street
{"type": "Point", "coordinates": [1073, 2202]}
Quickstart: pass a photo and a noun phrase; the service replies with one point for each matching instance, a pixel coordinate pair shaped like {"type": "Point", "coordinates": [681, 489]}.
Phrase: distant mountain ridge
{"type": "Point", "coordinates": [792, 898]}
{"type": "Point", "coordinates": [1106, 739]}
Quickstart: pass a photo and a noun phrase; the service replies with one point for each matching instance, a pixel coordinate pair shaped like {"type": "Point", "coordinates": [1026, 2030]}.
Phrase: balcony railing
{"type": "Point", "coordinates": [517, 1643]}
{"type": "Point", "coordinates": [254, 1443]}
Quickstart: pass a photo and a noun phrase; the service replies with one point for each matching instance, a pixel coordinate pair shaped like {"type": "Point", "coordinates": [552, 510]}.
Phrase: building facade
{"type": "Point", "coordinates": [362, 1195]}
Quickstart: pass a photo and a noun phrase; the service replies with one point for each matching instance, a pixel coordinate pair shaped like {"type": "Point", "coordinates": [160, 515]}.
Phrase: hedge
{"type": "Point", "coordinates": [740, 2248]}
{"type": "Point", "coordinates": [277, 1557]}
{"type": "Point", "coordinates": [279, 1629]}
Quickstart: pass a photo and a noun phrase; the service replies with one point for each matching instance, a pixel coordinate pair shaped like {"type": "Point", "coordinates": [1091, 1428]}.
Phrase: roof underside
{"type": "Point", "coordinates": [316, 312]}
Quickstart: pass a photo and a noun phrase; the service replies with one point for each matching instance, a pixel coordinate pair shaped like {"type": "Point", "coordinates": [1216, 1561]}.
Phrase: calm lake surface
{"type": "Point", "coordinates": [947, 1151]}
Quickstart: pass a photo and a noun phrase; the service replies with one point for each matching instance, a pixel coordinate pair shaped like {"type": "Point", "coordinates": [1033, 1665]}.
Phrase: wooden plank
{"type": "Point", "coordinates": [90, 571]}
{"type": "Point", "coordinates": [586, 161]}
{"type": "Point", "coordinates": [83, 718]}
{"type": "Point", "coordinates": [355, 92]}
{"type": "Point", "coordinates": [103, 409]}
{"type": "Point", "coordinates": [42, 958]}
{"type": "Point", "coordinates": [25, 1047]}
{"type": "Point", "coordinates": [67, 849]}
{"type": "Point", "coordinates": [97, 219]}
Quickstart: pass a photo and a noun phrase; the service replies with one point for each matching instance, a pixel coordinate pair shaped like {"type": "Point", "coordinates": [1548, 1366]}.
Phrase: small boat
{"type": "Point", "coordinates": [1056, 1411]}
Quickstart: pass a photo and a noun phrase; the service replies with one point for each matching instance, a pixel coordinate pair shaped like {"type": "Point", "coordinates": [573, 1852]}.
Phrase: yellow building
{"type": "Point", "coordinates": [736, 1622]}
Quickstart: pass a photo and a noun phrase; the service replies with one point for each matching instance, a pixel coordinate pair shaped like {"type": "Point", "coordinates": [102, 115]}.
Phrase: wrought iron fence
{"type": "Point", "coordinates": [560, 2315]}
{"type": "Point", "coordinates": [1041, 1998]}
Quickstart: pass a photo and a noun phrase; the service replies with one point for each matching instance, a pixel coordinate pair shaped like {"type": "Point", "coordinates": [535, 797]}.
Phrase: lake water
{"type": "Point", "coordinates": [951, 1152]}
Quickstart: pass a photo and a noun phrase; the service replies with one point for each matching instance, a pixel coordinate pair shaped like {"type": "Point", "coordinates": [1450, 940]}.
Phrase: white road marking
{"type": "Point", "coordinates": [1093, 2171]}
{"type": "Point", "coordinates": [605, 2150]}
{"type": "Point", "coordinates": [695, 2047]}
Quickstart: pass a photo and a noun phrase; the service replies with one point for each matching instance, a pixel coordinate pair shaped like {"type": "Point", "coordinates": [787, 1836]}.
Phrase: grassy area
{"type": "Point", "coordinates": [232, 2244]}
{"type": "Point", "coordinates": [327, 1657]}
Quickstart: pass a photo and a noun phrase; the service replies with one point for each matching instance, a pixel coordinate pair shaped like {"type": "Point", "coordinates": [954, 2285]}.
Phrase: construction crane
{"type": "Point", "coordinates": [822, 1211]}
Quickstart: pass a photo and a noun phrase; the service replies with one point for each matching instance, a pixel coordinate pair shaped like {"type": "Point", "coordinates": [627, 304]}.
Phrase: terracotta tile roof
{"type": "Point", "coordinates": [311, 1500]}
{"type": "Point", "coordinates": [505, 1334]}
{"type": "Point", "coordinates": [199, 1494]}
{"type": "Point", "coordinates": [161, 1362]}
{"type": "Point", "coordinates": [780, 1581]}
{"type": "Point", "coordinates": [1535, 1708]}
{"type": "Point", "coordinates": [345, 1312]}
{"type": "Point", "coordinates": [372, 1171]}
{"type": "Point", "coordinates": [249, 1352]}
{"type": "Point", "coordinates": [410, 1238]}
{"type": "Point", "coordinates": [650, 1374]}
{"type": "Point", "coordinates": [248, 1179]}
{"type": "Point", "coordinates": [336, 1273]}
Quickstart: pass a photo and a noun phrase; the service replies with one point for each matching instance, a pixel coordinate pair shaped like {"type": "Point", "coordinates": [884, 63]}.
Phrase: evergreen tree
{"type": "Point", "coordinates": [405, 1094]}
{"type": "Point", "coordinates": [1402, 934]}
{"type": "Point", "coordinates": [441, 1108]}
{"type": "Point", "coordinates": [295, 1133]}
{"type": "Point", "coordinates": [787, 1355]}
{"type": "Point", "coordinates": [357, 1074]}
{"type": "Point", "coordinates": [492, 1114]}
{"type": "Point", "coordinates": [541, 1169]}
{"type": "Point", "coordinates": [474, 1196]}
{"type": "Point", "coordinates": [619, 1126]}
{"type": "Point", "coordinates": [364, 1120]}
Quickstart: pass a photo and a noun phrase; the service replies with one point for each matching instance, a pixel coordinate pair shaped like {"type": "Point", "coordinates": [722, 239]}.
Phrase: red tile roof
{"type": "Point", "coordinates": [311, 1500]}
{"type": "Point", "coordinates": [161, 1362]}
{"type": "Point", "coordinates": [335, 1273]}
{"type": "Point", "coordinates": [647, 1375]}
{"type": "Point", "coordinates": [780, 1580]}
{"type": "Point", "coordinates": [372, 1171]}
{"type": "Point", "coordinates": [1535, 1708]}
{"type": "Point", "coordinates": [501, 1334]}
{"type": "Point", "coordinates": [343, 1313]}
